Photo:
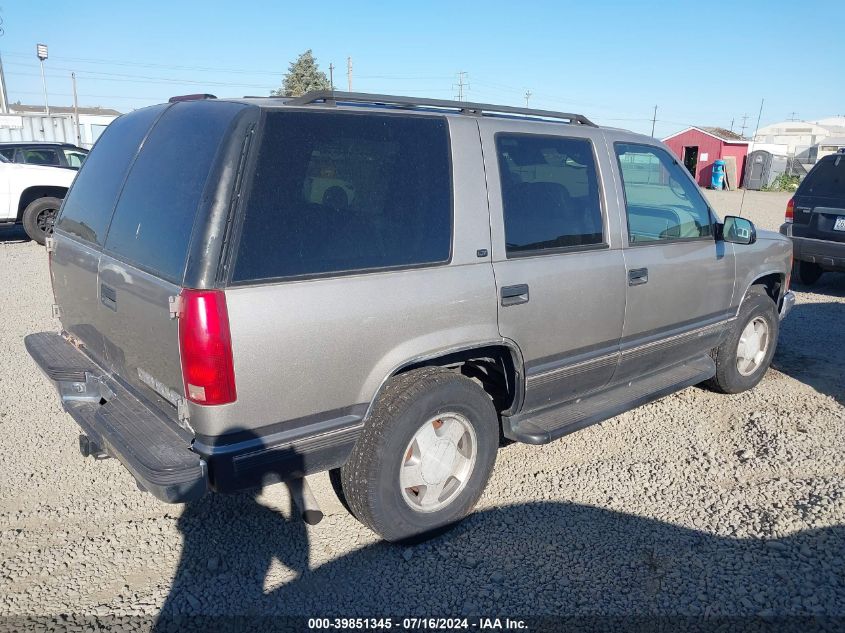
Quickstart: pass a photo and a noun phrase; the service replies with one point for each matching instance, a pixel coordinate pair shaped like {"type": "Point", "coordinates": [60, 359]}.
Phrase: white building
{"type": "Point", "coordinates": [799, 138]}
{"type": "Point", "coordinates": [31, 123]}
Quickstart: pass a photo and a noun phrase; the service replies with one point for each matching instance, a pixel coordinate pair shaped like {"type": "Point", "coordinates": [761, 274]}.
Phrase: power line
{"type": "Point", "coordinates": [462, 84]}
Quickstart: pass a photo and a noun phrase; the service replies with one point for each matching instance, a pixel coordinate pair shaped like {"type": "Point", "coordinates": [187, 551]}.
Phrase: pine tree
{"type": "Point", "coordinates": [303, 75]}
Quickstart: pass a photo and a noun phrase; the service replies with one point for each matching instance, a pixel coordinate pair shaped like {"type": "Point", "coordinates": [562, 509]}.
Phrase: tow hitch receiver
{"type": "Point", "coordinates": [89, 448]}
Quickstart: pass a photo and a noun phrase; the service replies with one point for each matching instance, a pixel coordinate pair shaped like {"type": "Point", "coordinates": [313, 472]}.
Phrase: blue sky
{"type": "Point", "coordinates": [701, 63]}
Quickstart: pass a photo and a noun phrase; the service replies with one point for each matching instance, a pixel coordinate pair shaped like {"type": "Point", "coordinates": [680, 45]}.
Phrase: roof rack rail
{"type": "Point", "coordinates": [330, 97]}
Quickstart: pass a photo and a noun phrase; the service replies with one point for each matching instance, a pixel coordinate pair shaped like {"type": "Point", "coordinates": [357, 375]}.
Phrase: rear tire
{"type": "Point", "coordinates": [809, 273]}
{"type": "Point", "coordinates": [745, 355]}
{"type": "Point", "coordinates": [39, 217]}
{"type": "Point", "coordinates": [424, 456]}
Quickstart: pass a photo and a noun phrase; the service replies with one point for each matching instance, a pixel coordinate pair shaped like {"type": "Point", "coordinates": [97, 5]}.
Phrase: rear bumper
{"type": "Point", "coordinates": [151, 447]}
{"type": "Point", "coordinates": [826, 253]}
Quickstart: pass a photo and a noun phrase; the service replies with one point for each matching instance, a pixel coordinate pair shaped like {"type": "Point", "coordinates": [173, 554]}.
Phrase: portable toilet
{"type": "Point", "coordinates": [717, 179]}
{"type": "Point", "coordinates": [763, 168]}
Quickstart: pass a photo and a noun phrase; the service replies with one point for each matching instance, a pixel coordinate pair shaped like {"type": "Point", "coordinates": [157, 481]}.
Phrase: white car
{"type": "Point", "coordinates": [31, 195]}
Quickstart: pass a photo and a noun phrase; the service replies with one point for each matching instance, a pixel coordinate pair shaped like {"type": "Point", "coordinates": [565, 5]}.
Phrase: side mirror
{"type": "Point", "coordinates": [738, 230]}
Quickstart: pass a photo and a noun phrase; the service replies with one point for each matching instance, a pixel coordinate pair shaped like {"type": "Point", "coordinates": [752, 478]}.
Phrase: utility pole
{"type": "Point", "coordinates": [349, 74]}
{"type": "Point", "coordinates": [793, 116]}
{"type": "Point", "coordinates": [653, 121]}
{"type": "Point", "coordinates": [41, 51]}
{"type": "Point", "coordinates": [742, 131]}
{"type": "Point", "coordinates": [461, 85]}
{"type": "Point", "coordinates": [331, 76]}
{"type": "Point", "coordinates": [76, 111]}
{"type": "Point", "coordinates": [732, 124]}
{"type": "Point", "coordinates": [4, 98]}
{"type": "Point", "coordinates": [527, 97]}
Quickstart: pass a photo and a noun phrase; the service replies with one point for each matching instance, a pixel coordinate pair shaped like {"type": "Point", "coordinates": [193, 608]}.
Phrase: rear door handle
{"type": "Point", "coordinates": [637, 276]}
{"type": "Point", "coordinates": [513, 295]}
{"type": "Point", "coordinates": [108, 297]}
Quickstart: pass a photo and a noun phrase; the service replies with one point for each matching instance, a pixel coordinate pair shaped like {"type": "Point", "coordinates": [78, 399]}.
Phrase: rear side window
{"type": "Point", "coordinates": [550, 192]}
{"type": "Point", "coordinates": [661, 201]}
{"type": "Point", "coordinates": [826, 179]}
{"type": "Point", "coordinates": [336, 192]}
{"type": "Point", "coordinates": [152, 223]}
{"type": "Point", "coordinates": [40, 157]}
{"type": "Point", "coordinates": [89, 205]}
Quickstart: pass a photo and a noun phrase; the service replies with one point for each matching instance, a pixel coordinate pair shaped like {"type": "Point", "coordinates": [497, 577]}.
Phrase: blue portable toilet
{"type": "Point", "coordinates": [718, 177]}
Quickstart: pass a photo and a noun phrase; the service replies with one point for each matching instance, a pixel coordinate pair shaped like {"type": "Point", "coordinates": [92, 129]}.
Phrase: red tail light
{"type": "Point", "coordinates": [205, 345]}
{"type": "Point", "coordinates": [790, 211]}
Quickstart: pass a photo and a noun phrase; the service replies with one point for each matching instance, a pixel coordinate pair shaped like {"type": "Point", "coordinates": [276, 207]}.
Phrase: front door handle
{"type": "Point", "coordinates": [513, 295]}
{"type": "Point", "coordinates": [108, 297]}
{"type": "Point", "coordinates": [637, 276]}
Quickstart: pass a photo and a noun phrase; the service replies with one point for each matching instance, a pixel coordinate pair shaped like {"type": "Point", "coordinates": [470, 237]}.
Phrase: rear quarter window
{"type": "Point", "coordinates": [154, 217]}
{"type": "Point", "coordinates": [88, 207]}
{"type": "Point", "coordinates": [335, 192]}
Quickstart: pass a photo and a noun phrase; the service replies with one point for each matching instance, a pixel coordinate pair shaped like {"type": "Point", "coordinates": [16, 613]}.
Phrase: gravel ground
{"type": "Point", "coordinates": [697, 504]}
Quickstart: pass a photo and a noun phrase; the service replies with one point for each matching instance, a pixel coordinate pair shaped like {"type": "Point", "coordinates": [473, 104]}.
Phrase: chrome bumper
{"type": "Point", "coordinates": [787, 304]}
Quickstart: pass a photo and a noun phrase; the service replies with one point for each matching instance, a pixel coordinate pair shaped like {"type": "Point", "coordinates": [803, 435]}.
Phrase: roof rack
{"type": "Point", "coordinates": [330, 97]}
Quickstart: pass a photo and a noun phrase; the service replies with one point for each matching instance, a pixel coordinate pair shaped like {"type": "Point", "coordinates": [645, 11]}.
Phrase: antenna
{"type": "Point", "coordinates": [753, 139]}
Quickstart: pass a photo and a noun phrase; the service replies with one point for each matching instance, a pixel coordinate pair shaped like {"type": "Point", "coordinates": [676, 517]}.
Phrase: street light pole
{"type": "Point", "coordinates": [41, 51]}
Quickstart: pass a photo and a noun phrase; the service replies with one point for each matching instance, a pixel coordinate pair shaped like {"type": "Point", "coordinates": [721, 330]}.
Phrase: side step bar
{"type": "Point", "coordinates": [547, 425]}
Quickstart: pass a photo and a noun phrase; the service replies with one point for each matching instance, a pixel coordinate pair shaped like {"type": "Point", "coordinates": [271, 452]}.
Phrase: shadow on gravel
{"type": "Point", "coordinates": [10, 234]}
{"type": "Point", "coordinates": [532, 559]}
{"type": "Point", "coordinates": [810, 346]}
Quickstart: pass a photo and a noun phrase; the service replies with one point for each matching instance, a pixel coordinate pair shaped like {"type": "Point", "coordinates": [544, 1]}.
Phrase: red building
{"type": "Point", "coordinates": [699, 147]}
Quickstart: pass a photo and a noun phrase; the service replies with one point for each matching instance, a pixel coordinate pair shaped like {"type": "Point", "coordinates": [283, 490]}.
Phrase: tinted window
{"type": "Point", "coordinates": [88, 207]}
{"type": "Point", "coordinates": [826, 179]}
{"type": "Point", "coordinates": [40, 156]}
{"type": "Point", "coordinates": [661, 201]}
{"type": "Point", "coordinates": [8, 154]}
{"type": "Point", "coordinates": [550, 192]}
{"type": "Point", "coordinates": [341, 192]}
{"type": "Point", "coordinates": [154, 217]}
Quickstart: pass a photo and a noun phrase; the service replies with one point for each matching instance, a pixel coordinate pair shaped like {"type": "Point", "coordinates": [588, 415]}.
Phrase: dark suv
{"type": "Point", "coordinates": [45, 153]}
{"type": "Point", "coordinates": [815, 220]}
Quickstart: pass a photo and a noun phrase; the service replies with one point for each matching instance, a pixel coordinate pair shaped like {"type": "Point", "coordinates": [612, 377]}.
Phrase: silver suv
{"type": "Point", "coordinates": [257, 289]}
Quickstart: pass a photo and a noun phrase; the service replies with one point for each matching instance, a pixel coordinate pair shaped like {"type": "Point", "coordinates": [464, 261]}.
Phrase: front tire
{"type": "Point", "coordinates": [744, 356]}
{"type": "Point", "coordinates": [38, 218]}
{"type": "Point", "coordinates": [424, 456]}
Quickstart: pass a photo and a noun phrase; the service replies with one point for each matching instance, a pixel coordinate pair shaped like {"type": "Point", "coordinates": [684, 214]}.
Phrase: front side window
{"type": "Point", "coordinates": [335, 193]}
{"type": "Point", "coordinates": [74, 159]}
{"type": "Point", "coordinates": [661, 202]}
{"type": "Point", "coordinates": [550, 193]}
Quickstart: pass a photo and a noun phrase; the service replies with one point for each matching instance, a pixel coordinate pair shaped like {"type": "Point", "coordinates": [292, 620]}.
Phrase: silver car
{"type": "Point", "coordinates": [253, 290]}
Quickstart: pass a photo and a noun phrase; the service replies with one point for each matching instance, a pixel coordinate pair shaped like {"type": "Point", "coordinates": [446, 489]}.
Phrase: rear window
{"type": "Point", "coordinates": [154, 217]}
{"type": "Point", "coordinates": [334, 193]}
{"type": "Point", "coordinates": [826, 179]}
{"type": "Point", "coordinates": [88, 207]}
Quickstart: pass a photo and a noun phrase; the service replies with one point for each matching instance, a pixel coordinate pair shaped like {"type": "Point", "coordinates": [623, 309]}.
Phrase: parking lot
{"type": "Point", "coordinates": [698, 504]}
